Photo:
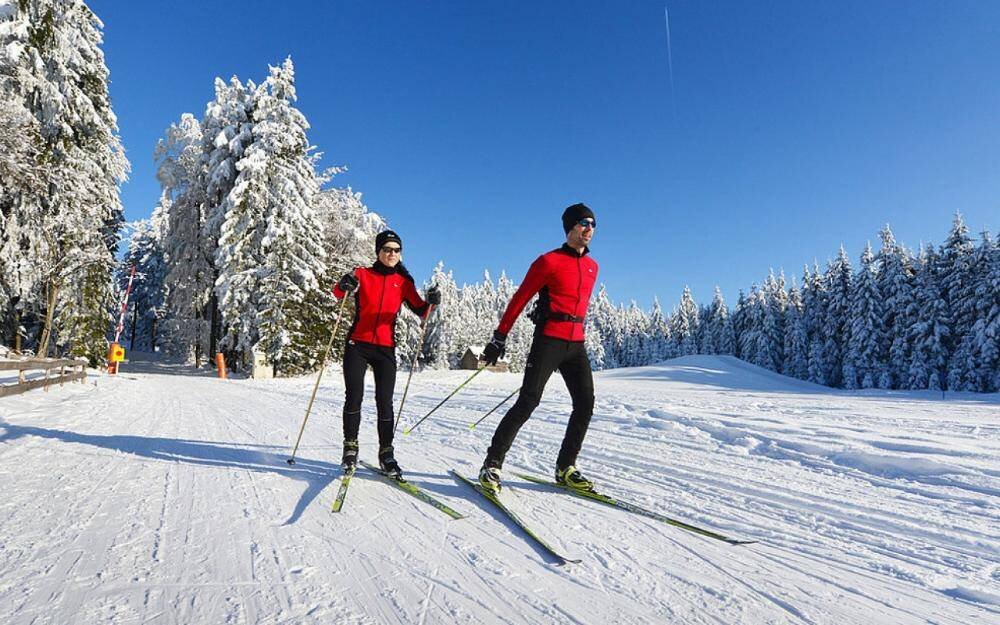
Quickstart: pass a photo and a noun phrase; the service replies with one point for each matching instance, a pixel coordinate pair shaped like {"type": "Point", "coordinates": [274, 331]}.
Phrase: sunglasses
{"type": "Point", "coordinates": [391, 250]}
{"type": "Point", "coordinates": [587, 223]}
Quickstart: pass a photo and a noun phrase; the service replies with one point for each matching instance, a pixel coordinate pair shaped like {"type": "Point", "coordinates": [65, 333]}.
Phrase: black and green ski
{"type": "Point", "coordinates": [629, 507]}
{"type": "Point", "coordinates": [412, 489]}
{"type": "Point", "coordinates": [345, 481]}
{"type": "Point", "coordinates": [513, 517]}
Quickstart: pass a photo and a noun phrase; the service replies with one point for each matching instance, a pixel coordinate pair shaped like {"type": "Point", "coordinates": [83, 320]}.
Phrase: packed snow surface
{"type": "Point", "coordinates": [163, 496]}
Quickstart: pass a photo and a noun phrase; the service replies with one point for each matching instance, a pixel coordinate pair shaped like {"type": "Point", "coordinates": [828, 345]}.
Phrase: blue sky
{"type": "Point", "coordinates": [790, 128]}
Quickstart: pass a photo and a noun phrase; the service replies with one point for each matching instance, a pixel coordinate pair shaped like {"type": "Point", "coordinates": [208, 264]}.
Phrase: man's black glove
{"type": "Point", "coordinates": [348, 283]}
{"type": "Point", "coordinates": [433, 296]}
{"type": "Point", "coordinates": [495, 349]}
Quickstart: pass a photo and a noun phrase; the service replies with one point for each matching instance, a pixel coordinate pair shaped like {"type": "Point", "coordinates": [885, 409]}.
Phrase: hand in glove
{"type": "Point", "coordinates": [348, 283]}
{"type": "Point", "coordinates": [433, 296]}
{"type": "Point", "coordinates": [495, 349]}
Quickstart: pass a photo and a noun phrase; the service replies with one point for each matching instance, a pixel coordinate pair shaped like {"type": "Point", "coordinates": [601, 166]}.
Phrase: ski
{"type": "Point", "coordinates": [412, 489]}
{"type": "Point", "coordinates": [629, 507]}
{"type": "Point", "coordinates": [513, 517]}
{"type": "Point", "coordinates": [345, 481]}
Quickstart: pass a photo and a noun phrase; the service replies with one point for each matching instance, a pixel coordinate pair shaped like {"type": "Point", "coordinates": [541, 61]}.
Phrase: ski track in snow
{"type": "Point", "coordinates": [162, 496]}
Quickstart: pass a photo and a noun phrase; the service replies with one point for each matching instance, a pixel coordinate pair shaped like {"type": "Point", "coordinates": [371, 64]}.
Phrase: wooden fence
{"type": "Point", "coordinates": [77, 371]}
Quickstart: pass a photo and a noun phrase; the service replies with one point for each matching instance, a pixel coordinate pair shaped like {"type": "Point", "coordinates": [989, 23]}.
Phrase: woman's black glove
{"type": "Point", "coordinates": [348, 283]}
{"type": "Point", "coordinates": [495, 349]}
{"type": "Point", "coordinates": [433, 296]}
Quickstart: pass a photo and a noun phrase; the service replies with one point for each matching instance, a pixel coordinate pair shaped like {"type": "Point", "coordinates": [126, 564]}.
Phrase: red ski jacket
{"type": "Point", "coordinates": [564, 280]}
{"type": "Point", "coordinates": [381, 293]}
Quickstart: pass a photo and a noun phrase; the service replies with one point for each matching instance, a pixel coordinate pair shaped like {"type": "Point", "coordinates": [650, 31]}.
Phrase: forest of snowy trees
{"type": "Point", "coordinates": [241, 251]}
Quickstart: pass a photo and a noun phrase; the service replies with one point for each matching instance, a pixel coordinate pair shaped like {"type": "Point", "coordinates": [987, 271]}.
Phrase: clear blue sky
{"type": "Point", "coordinates": [790, 127]}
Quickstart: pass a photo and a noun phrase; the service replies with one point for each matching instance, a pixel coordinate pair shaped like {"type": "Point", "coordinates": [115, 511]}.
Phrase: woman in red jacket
{"type": "Point", "coordinates": [382, 289]}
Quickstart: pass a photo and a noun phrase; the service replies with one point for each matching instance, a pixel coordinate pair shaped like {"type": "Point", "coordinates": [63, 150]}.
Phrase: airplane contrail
{"type": "Point", "coordinates": [670, 57]}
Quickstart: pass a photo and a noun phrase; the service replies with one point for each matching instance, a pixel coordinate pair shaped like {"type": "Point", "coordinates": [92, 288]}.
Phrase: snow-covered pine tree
{"type": "Point", "coordinates": [836, 325]}
{"type": "Point", "coordinates": [271, 257]}
{"type": "Point", "coordinates": [864, 361]}
{"type": "Point", "coordinates": [444, 327]}
{"type": "Point", "coordinates": [989, 347]}
{"type": "Point", "coordinates": [720, 330]}
{"type": "Point", "coordinates": [973, 362]}
{"type": "Point", "coordinates": [602, 326]}
{"type": "Point", "coordinates": [658, 333]}
{"type": "Point", "coordinates": [771, 345]}
{"type": "Point", "coordinates": [684, 325]}
{"type": "Point", "coordinates": [738, 321]}
{"type": "Point", "coordinates": [149, 290]}
{"type": "Point", "coordinates": [955, 277]}
{"type": "Point", "coordinates": [54, 66]}
{"type": "Point", "coordinates": [796, 343]}
{"type": "Point", "coordinates": [180, 170]}
{"type": "Point", "coordinates": [895, 283]}
{"type": "Point", "coordinates": [813, 319]}
{"type": "Point", "coordinates": [930, 332]}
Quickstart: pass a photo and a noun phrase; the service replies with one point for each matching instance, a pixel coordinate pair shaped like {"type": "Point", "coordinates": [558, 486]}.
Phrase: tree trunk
{"type": "Point", "coordinates": [51, 290]}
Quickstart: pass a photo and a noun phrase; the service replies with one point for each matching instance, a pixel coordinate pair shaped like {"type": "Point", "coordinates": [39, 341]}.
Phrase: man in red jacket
{"type": "Point", "coordinates": [564, 279]}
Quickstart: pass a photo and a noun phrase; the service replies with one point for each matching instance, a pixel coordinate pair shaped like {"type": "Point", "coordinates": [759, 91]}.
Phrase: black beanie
{"type": "Point", "coordinates": [573, 214]}
{"type": "Point", "coordinates": [384, 237]}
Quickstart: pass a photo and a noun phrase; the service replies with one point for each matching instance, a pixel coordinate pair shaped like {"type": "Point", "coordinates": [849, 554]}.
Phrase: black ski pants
{"type": "Point", "coordinates": [546, 356]}
{"type": "Point", "coordinates": [357, 357]}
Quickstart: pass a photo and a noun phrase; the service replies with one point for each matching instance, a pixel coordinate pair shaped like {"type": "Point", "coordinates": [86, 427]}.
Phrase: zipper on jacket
{"type": "Point", "coordinates": [579, 288]}
{"type": "Point", "coordinates": [378, 312]}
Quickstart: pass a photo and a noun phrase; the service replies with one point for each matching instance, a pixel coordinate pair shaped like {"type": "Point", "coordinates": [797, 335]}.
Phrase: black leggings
{"type": "Point", "coordinates": [357, 357]}
{"type": "Point", "coordinates": [547, 355]}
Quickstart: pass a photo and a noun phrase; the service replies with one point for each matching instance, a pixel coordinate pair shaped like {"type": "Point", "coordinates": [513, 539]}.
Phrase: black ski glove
{"type": "Point", "coordinates": [433, 296]}
{"type": "Point", "coordinates": [348, 283]}
{"type": "Point", "coordinates": [495, 349]}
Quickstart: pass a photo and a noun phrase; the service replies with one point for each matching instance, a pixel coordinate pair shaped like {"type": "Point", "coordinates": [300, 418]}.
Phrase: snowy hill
{"type": "Point", "coordinates": [161, 496]}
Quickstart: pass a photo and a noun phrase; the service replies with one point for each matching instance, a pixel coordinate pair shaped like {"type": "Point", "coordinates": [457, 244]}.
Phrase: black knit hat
{"type": "Point", "coordinates": [384, 237]}
{"type": "Point", "coordinates": [573, 214]}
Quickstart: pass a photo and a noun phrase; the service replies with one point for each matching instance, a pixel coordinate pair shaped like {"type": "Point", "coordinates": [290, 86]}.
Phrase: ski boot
{"type": "Point", "coordinates": [572, 478]}
{"type": "Point", "coordinates": [387, 462]}
{"type": "Point", "coordinates": [349, 462]}
{"type": "Point", "coordinates": [489, 479]}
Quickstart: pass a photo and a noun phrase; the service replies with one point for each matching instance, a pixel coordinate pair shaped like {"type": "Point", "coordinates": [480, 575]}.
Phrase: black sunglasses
{"type": "Point", "coordinates": [391, 250]}
{"type": "Point", "coordinates": [587, 223]}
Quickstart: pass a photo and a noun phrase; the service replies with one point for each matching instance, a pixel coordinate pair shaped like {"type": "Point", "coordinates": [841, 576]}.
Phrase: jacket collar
{"type": "Point", "coordinates": [385, 270]}
{"type": "Point", "coordinates": [566, 249]}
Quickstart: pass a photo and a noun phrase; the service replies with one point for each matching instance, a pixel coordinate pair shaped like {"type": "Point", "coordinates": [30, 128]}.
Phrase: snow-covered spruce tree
{"type": "Point", "coordinates": [973, 362]}
{"type": "Point", "coordinates": [738, 321]}
{"type": "Point", "coordinates": [930, 332]}
{"type": "Point", "coordinates": [270, 255]}
{"type": "Point", "coordinates": [836, 325]}
{"type": "Point", "coordinates": [751, 316]}
{"type": "Point", "coordinates": [602, 324]}
{"type": "Point", "coordinates": [895, 283]}
{"type": "Point", "coordinates": [180, 170]}
{"type": "Point", "coordinates": [955, 276]}
{"type": "Point", "coordinates": [796, 343]}
{"type": "Point", "coordinates": [771, 345]}
{"type": "Point", "coordinates": [444, 327]}
{"type": "Point", "coordinates": [864, 361]}
{"type": "Point", "coordinates": [21, 183]}
{"type": "Point", "coordinates": [814, 319]}
{"type": "Point", "coordinates": [149, 289]}
{"type": "Point", "coordinates": [989, 347]}
{"type": "Point", "coordinates": [658, 333]}
{"type": "Point", "coordinates": [720, 331]}
{"type": "Point", "coordinates": [226, 132]}
{"type": "Point", "coordinates": [684, 325]}
{"type": "Point", "coordinates": [53, 65]}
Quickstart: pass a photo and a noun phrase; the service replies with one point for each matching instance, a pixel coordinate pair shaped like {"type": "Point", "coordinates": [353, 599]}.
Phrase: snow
{"type": "Point", "coordinates": [162, 496]}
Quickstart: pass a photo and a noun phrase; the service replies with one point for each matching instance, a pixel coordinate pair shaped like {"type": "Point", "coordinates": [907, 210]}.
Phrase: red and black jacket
{"type": "Point", "coordinates": [381, 293]}
{"type": "Point", "coordinates": [564, 280]}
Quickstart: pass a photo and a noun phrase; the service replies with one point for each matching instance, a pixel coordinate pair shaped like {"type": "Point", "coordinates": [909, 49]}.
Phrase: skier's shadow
{"type": "Point", "coordinates": [317, 475]}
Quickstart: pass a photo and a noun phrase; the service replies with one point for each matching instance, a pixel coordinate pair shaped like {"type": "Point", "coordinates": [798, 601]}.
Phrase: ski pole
{"type": "Point", "coordinates": [495, 408]}
{"type": "Point", "coordinates": [319, 376]}
{"type": "Point", "coordinates": [416, 353]}
{"type": "Point", "coordinates": [406, 431]}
